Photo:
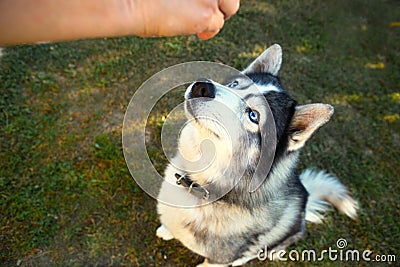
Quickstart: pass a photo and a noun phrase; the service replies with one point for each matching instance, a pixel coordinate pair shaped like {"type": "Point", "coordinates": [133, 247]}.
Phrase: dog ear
{"type": "Point", "coordinates": [268, 62]}
{"type": "Point", "coordinates": [306, 120]}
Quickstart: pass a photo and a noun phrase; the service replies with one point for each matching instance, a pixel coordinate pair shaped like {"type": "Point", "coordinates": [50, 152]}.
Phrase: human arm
{"type": "Point", "coordinates": [29, 21]}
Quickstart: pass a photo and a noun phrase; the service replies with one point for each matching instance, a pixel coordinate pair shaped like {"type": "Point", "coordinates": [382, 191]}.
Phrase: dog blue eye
{"type": "Point", "coordinates": [233, 84]}
{"type": "Point", "coordinates": [253, 116]}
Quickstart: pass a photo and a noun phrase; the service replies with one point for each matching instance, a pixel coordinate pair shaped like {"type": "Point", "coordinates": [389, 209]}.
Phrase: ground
{"type": "Point", "coordinates": [66, 195]}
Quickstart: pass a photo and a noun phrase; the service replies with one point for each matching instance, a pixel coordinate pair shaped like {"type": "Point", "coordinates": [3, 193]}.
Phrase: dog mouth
{"type": "Point", "coordinates": [190, 113]}
{"type": "Point", "coordinates": [202, 121]}
{"type": "Point", "coordinates": [196, 97]}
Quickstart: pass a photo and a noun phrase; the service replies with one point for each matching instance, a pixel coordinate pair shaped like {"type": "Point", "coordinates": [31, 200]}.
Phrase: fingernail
{"type": "Point", "coordinates": [206, 35]}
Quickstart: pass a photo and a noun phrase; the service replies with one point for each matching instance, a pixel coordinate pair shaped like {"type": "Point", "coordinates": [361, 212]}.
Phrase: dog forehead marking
{"type": "Point", "coordinates": [268, 88]}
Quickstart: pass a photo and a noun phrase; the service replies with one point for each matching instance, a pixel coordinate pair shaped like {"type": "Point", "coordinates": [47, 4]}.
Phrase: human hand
{"type": "Point", "coordinates": [180, 17]}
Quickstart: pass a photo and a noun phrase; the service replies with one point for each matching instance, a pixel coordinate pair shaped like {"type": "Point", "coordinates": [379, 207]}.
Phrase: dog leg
{"type": "Point", "coordinates": [162, 232]}
{"type": "Point", "coordinates": [207, 264]}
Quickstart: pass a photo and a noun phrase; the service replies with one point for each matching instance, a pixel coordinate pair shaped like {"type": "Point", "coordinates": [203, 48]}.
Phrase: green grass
{"type": "Point", "coordinates": [66, 195]}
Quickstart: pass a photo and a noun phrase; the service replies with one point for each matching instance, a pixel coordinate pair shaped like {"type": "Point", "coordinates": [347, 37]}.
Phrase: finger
{"type": "Point", "coordinates": [207, 35]}
{"type": "Point", "coordinates": [215, 24]}
{"type": "Point", "coordinates": [229, 7]}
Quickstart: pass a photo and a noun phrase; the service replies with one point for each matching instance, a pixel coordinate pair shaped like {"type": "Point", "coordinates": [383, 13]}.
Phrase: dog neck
{"type": "Point", "coordinates": [193, 188]}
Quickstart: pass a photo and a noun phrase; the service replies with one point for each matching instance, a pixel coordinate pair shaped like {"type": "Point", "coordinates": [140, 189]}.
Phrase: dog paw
{"type": "Point", "coordinates": [162, 232]}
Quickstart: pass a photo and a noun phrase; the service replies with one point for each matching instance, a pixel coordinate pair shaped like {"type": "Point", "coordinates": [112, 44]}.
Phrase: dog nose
{"type": "Point", "coordinates": [203, 89]}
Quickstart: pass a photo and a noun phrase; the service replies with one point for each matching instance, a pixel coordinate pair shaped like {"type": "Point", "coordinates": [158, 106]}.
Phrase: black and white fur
{"type": "Point", "coordinates": [232, 229]}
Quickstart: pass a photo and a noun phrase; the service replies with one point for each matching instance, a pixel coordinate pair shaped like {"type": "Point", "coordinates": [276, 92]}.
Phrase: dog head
{"type": "Point", "coordinates": [250, 121]}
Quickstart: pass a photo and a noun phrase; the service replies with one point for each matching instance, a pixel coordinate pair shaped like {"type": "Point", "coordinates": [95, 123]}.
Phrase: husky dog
{"type": "Point", "coordinates": [236, 225]}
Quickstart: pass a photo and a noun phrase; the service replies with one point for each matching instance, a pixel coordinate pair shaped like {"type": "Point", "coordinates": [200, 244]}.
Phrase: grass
{"type": "Point", "coordinates": [66, 195]}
